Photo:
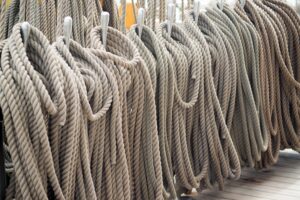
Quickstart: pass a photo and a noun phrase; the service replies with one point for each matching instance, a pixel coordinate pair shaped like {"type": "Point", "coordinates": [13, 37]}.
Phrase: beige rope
{"type": "Point", "coordinates": [288, 22]}
{"type": "Point", "coordinates": [150, 117]}
{"type": "Point", "coordinates": [150, 64]}
{"type": "Point", "coordinates": [186, 70]}
{"type": "Point", "coordinates": [269, 94]}
{"type": "Point", "coordinates": [83, 186]}
{"type": "Point", "coordinates": [138, 107]}
{"type": "Point", "coordinates": [10, 17]}
{"type": "Point", "coordinates": [151, 13]}
{"type": "Point", "coordinates": [246, 117]}
{"type": "Point", "coordinates": [140, 121]}
{"type": "Point", "coordinates": [162, 10]}
{"type": "Point", "coordinates": [227, 103]}
{"type": "Point", "coordinates": [158, 64]}
{"type": "Point", "coordinates": [3, 20]}
{"type": "Point", "coordinates": [24, 101]}
{"type": "Point", "coordinates": [218, 142]}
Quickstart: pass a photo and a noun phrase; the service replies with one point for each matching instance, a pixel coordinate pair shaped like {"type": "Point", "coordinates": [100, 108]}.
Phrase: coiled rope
{"type": "Point", "coordinates": [288, 21]}
{"type": "Point", "coordinates": [148, 119]}
{"type": "Point", "coordinates": [24, 99]}
{"type": "Point", "coordinates": [158, 63]}
{"type": "Point", "coordinates": [91, 114]}
{"type": "Point", "coordinates": [247, 116]}
{"type": "Point", "coordinates": [270, 86]}
{"type": "Point", "coordinates": [186, 69]}
{"type": "Point", "coordinates": [139, 118]}
{"type": "Point", "coordinates": [223, 159]}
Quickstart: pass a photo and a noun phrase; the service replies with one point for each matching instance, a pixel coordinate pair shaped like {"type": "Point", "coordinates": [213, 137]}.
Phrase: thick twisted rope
{"type": "Point", "coordinates": [140, 121]}
{"type": "Point", "coordinates": [158, 64]}
{"type": "Point", "coordinates": [218, 142]}
{"type": "Point", "coordinates": [271, 96]}
{"type": "Point", "coordinates": [124, 122]}
{"type": "Point", "coordinates": [24, 100]}
{"type": "Point", "coordinates": [186, 69]}
{"type": "Point", "coordinates": [222, 84]}
{"type": "Point", "coordinates": [247, 115]}
{"type": "Point", "coordinates": [84, 67]}
{"type": "Point", "coordinates": [288, 25]}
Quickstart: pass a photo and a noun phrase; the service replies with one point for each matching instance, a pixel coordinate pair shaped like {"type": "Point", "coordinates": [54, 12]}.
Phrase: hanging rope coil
{"type": "Point", "coordinates": [85, 67]}
{"type": "Point", "coordinates": [254, 141]}
{"type": "Point", "coordinates": [158, 64]}
{"type": "Point", "coordinates": [287, 22]}
{"type": "Point", "coordinates": [24, 99]}
{"type": "Point", "coordinates": [270, 87]}
{"type": "Point", "coordinates": [186, 71]}
{"type": "Point", "coordinates": [144, 117]}
{"type": "Point", "coordinates": [140, 120]}
{"type": "Point", "coordinates": [218, 142]}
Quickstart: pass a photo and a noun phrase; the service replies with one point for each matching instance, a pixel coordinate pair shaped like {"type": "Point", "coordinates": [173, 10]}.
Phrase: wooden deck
{"type": "Point", "coordinates": [281, 182]}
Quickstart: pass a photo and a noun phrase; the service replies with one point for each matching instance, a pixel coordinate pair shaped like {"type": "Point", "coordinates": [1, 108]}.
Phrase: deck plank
{"type": "Point", "coordinates": [281, 182]}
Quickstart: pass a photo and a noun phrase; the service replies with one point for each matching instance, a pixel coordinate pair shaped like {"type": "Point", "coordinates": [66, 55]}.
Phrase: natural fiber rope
{"type": "Point", "coordinates": [158, 64]}
{"type": "Point", "coordinates": [117, 170]}
{"type": "Point", "coordinates": [150, 66]}
{"type": "Point", "coordinates": [262, 82]}
{"type": "Point", "coordinates": [3, 21]}
{"type": "Point", "coordinates": [151, 14]}
{"type": "Point", "coordinates": [83, 79]}
{"type": "Point", "coordinates": [10, 17]}
{"type": "Point", "coordinates": [288, 21]}
{"type": "Point", "coordinates": [213, 116]}
{"type": "Point", "coordinates": [246, 116]}
{"type": "Point", "coordinates": [186, 70]}
{"type": "Point", "coordinates": [270, 87]}
{"type": "Point", "coordinates": [151, 120]}
{"type": "Point", "coordinates": [162, 10]}
{"type": "Point", "coordinates": [288, 92]}
{"type": "Point", "coordinates": [273, 151]}
{"type": "Point", "coordinates": [92, 19]}
{"type": "Point", "coordinates": [142, 135]}
{"type": "Point", "coordinates": [222, 80]}
{"type": "Point", "coordinates": [224, 77]}
{"type": "Point", "coordinates": [23, 113]}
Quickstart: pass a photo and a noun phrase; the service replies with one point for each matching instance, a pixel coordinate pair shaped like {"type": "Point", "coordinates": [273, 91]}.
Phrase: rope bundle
{"type": "Point", "coordinates": [48, 17]}
{"type": "Point", "coordinates": [275, 71]}
{"type": "Point", "coordinates": [186, 70]}
{"type": "Point", "coordinates": [254, 141]}
{"type": "Point", "coordinates": [158, 63]}
{"type": "Point", "coordinates": [147, 117]}
{"type": "Point", "coordinates": [139, 113]}
{"type": "Point", "coordinates": [94, 106]}
{"type": "Point", "coordinates": [288, 39]}
{"type": "Point", "coordinates": [28, 93]}
{"type": "Point", "coordinates": [222, 156]}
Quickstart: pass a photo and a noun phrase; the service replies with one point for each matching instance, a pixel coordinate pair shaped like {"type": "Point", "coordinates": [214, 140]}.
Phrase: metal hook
{"type": "Point", "coordinates": [104, 25]}
{"type": "Point", "coordinates": [243, 2]}
{"type": "Point", "coordinates": [221, 4]}
{"type": "Point", "coordinates": [25, 27]}
{"type": "Point", "coordinates": [171, 16]}
{"type": "Point", "coordinates": [140, 21]}
{"type": "Point", "coordinates": [231, 3]}
{"type": "Point", "coordinates": [67, 29]}
{"type": "Point", "coordinates": [197, 10]}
